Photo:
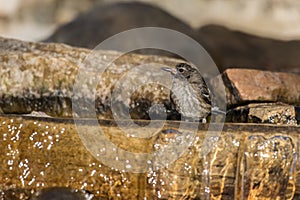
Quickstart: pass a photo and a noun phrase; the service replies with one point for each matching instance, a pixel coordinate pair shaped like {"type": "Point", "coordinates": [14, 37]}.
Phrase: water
{"type": "Point", "coordinates": [248, 162]}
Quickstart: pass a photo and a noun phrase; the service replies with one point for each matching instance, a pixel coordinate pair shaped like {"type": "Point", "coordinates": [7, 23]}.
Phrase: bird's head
{"type": "Point", "coordinates": [184, 71]}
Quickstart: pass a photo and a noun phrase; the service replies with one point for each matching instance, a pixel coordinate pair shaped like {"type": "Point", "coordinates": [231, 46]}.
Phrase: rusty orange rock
{"type": "Point", "coordinates": [248, 85]}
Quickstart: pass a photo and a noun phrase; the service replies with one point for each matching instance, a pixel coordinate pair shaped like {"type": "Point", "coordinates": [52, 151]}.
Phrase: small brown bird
{"type": "Point", "coordinates": [189, 93]}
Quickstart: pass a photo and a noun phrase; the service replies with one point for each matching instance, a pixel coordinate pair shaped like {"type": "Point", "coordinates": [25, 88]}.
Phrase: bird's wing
{"type": "Point", "coordinates": [205, 93]}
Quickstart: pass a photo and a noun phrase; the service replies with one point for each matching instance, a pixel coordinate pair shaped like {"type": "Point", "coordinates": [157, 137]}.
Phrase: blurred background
{"type": "Point", "coordinates": [262, 34]}
{"type": "Point", "coordinates": [36, 20]}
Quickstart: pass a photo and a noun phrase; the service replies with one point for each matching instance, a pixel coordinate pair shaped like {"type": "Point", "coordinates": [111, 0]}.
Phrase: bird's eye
{"type": "Point", "coordinates": [180, 70]}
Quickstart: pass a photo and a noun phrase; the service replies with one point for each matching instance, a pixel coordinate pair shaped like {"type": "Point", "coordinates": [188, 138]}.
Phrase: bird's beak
{"type": "Point", "coordinates": [168, 69]}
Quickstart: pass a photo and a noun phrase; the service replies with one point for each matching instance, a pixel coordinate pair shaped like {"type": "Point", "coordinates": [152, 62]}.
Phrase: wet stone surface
{"type": "Point", "coordinates": [269, 113]}
{"type": "Point", "coordinates": [49, 77]}
{"type": "Point", "coordinates": [44, 155]}
{"type": "Point", "coordinates": [43, 77]}
{"type": "Point", "coordinates": [266, 167]}
{"type": "Point", "coordinates": [41, 153]}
